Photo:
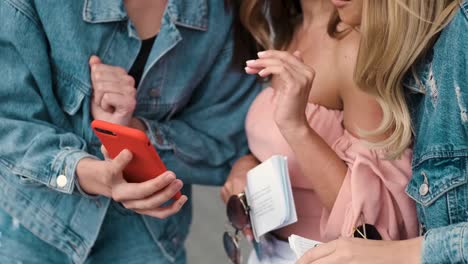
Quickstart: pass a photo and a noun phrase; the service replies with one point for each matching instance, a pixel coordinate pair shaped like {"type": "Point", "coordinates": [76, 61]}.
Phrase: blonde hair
{"type": "Point", "coordinates": [394, 35]}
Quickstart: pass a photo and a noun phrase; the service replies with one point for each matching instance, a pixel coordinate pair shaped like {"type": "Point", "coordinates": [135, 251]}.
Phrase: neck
{"type": "Point", "coordinates": [142, 5]}
{"type": "Point", "coordinates": [316, 12]}
{"type": "Point", "coordinates": [146, 15]}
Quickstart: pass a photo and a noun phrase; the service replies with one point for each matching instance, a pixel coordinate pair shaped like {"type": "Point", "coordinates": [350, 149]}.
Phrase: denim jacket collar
{"type": "Point", "coordinates": [192, 14]}
{"type": "Point", "coordinates": [464, 7]}
{"type": "Point", "coordinates": [102, 11]}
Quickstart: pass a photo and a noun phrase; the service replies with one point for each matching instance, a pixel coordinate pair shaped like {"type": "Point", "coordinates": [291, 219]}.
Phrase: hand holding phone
{"type": "Point", "coordinates": [105, 177]}
{"type": "Point", "coordinates": [145, 164]}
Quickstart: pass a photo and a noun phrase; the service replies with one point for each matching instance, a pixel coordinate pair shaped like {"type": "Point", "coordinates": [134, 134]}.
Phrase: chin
{"type": "Point", "coordinates": [349, 19]}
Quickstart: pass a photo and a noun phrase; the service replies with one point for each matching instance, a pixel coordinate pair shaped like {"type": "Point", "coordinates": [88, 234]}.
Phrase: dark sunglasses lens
{"type": "Point", "coordinates": [236, 213]}
{"type": "Point", "coordinates": [231, 248]}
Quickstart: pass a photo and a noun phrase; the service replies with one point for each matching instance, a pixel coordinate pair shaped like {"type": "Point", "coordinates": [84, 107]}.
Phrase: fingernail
{"type": "Point", "coordinates": [249, 238]}
{"type": "Point", "coordinates": [250, 62]}
{"type": "Point", "coordinates": [170, 176]}
{"type": "Point", "coordinates": [179, 184]}
{"type": "Point", "coordinates": [261, 53]}
{"type": "Point", "coordinates": [246, 68]}
{"type": "Point", "coordinates": [261, 73]}
{"type": "Point", "coordinates": [182, 201]}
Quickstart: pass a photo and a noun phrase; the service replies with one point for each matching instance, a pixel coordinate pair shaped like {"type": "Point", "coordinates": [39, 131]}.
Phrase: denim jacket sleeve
{"type": "Point", "coordinates": [443, 155]}
{"type": "Point", "coordinates": [35, 142]}
{"type": "Point", "coordinates": [209, 134]}
{"type": "Point", "coordinates": [450, 243]}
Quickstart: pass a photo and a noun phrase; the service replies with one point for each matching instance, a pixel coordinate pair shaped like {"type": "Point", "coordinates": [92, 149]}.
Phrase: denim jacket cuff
{"type": "Point", "coordinates": [449, 242]}
{"type": "Point", "coordinates": [156, 134]}
{"type": "Point", "coordinates": [63, 169]}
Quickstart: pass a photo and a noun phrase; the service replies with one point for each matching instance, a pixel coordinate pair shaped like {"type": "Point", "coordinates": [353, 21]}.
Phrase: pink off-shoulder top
{"type": "Point", "coordinates": [373, 190]}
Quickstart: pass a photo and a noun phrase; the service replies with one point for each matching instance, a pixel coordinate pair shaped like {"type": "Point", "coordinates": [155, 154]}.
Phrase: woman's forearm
{"type": "Point", "coordinates": [319, 163]}
{"type": "Point", "coordinates": [237, 178]}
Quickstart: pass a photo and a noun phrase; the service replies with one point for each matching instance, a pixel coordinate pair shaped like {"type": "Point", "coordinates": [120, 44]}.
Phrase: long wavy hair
{"type": "Point", "coordinates": [270, 23]}
{"type": "Point", "coordinates": [395, 35]}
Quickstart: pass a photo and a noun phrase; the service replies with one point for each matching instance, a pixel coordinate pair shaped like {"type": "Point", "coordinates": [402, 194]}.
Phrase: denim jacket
{"type": "Point", "coordinates": [191, 98]}
{"type": "Point", "coordinates": [440, 163]}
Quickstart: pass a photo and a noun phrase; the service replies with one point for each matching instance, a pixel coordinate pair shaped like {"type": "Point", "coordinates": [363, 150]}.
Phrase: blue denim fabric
{"type": "Point", "coordinates": [190, 97]}
{"type": "Point", "coordinates": [439, 185]}
{"type": "Point", "coordinates": [121, 247]}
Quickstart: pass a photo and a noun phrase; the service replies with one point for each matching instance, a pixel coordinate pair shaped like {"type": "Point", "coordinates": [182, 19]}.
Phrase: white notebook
{"type": "Point", "coordinates": [269, 195]}
{"type": "Point", "coordinates": [301, 245]}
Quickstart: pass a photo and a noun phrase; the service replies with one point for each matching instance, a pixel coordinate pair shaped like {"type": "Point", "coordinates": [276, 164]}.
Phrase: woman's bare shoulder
{"type": "Point", "coordinates": [361, 110]}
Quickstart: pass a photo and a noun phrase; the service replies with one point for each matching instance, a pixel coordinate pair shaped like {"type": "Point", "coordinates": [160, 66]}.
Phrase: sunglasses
{"type": "Point", "coordinates": [238, 215]}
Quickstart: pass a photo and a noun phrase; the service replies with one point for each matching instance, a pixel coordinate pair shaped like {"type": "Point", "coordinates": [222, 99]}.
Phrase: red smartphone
{"type": "Point", "coordinates": [146, 163]}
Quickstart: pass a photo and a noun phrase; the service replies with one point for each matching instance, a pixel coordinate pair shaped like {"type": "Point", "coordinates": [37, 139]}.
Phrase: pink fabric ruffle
{"type": "Point", "coordinates": [373, 190]}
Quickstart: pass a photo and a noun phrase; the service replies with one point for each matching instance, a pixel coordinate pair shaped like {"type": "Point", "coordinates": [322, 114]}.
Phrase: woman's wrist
{"type": "Point", "coordinates": [84, 166]}
{"type": "Point", "coordinates": [410, 250]}
{"type": "Point", "coordinates": [236, 180]}
{"type": "Point", "coordinates": [297, 133]}
{"type": "Point", "coordinates": [86, 169]}
{"type": "Point", "coordinates": [243, 165]}
{"type": "Point", "coordinates": [248, 160]}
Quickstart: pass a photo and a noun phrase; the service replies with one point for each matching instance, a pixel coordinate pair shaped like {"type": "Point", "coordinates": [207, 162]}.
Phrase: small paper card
{"type": "Point", "coordinates": [269, 195]}
{"type": "Point", "coordinates": [301, 245]}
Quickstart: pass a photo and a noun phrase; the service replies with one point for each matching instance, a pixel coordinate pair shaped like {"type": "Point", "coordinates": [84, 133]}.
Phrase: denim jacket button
{"type": "Point", "coordinates": [62, 181]}
{"type": "Point", "coordinates": [423, 189]}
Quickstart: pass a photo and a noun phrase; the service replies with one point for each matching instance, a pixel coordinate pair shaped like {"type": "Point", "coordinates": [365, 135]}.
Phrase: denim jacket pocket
{"type": "Point", "coordinates": [29, 182]}
{"type": "Point", "coordinates": [17, 178]}
{"type": "Point", "coordinates": [439, 188]}
{"type": "Point", "coordinates": [71, 92]}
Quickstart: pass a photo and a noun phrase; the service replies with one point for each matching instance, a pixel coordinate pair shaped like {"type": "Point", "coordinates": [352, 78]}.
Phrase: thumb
{"type": "Point", "coordinates": [123, 159]}
{"type": "Point", "coordinates": [94, 60]}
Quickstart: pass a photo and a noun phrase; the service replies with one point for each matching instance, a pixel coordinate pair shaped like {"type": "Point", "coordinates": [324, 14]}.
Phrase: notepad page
{"type": "Point", "coordinates": [301, 245]}
{"type": "Point", "coordinates": [287, 192]}
{"type": "Point", "coordinates": [265, 195]}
